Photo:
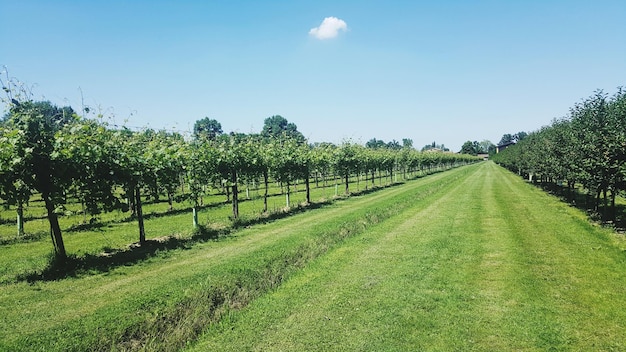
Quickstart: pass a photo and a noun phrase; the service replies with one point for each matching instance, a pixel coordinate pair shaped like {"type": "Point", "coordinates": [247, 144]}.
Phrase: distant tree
{"type": "Point", "coordinates": [434, 145]}
{"type": "Point", "coordinates": [208, 128]}
{"type": "Point", "coordinates": [375, 143]}
{"type": "Point", "coordinates": [506, 138]}
{"type": "Point", "coordinates": [486, 147]}
{"type": "Point", "coordinates": [394, 145]}
{"type": "Point", "coordinates": [5, 118]}
{"type": "Point", "coordinates": [407, 143]}
{"type": "Point", "coordinates": [276, 126]}
{"type": "Point", "coordinates": [469, 147]}
{"type": "Point", "coordinates": [519, 136]}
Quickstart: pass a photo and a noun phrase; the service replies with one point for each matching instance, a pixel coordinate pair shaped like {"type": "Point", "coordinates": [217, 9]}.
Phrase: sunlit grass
{"type": "Point", "coordinates": [491, 265]}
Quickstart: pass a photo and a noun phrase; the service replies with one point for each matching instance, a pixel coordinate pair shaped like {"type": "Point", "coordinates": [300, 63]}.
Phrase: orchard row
{"type": "Point", "coordinates": [55, 153]}
{"type": "Point", "coordinates": [586, 148]}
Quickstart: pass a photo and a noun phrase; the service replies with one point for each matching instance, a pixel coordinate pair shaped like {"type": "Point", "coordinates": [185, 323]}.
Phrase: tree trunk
{"type": "Point", "coordinates": [55, 229]}
{"type": "Point", "coordinates": [605, 205]}
{"type": "Point", "coordinates": [366, 179]}
{"type": "Point", "coordinates": [170, 201]}
{"type": "Point", "coordinates": [287, 195]}
{"type": "Point", "coordinates": [347, 187]}
{"type": "Point", "coordinates": [235, 196]}
{"type": "Point", "coordinates": [84, 210]}
{"type": "Point", "coordinates": [20, 218]}
{"type": "Point", "coordinates": [307, 187]}
{"type": "Point", "coordinates": [139, 213]}
{"type": "Point", "coordinates": [613, 214]}
{"type": "Point", "coordinates": [195, 214]}
{"type": "Point", "coordinates": [265, 180]}
{"type": "Point", "coordinates": [130, 196]}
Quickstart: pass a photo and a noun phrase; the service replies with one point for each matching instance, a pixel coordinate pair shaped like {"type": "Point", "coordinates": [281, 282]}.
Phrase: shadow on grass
{"type": "Point", "coordinates": [75, 266]}
{"type": "Point", "coordinates": [111, 258]}
{"type": "Point", "coordinates": [615, 218]}
{"type": "Point", "coordinates": [27, 237]}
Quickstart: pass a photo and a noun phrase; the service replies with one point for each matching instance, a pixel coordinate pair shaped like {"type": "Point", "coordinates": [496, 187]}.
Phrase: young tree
{"type": "Point", "coordinates": [37, 163]}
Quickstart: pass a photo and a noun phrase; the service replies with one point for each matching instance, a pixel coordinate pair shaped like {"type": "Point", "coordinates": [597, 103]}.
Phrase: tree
{"type": "Point", "coordinates": [375, 143]}
{"type": "Point", "coordinates": [88, 146]}
{"type": "Point", "coordinates": [435, 146]}
{"type": "Point", "coordinates": [207, 128]}
{"type": "Point", "coordinates": [519, 136]}
{"type": "Point", "coordinates": [469, 148]}
{"type": "Point", "coordinates": [346, 161]}
{"type": "Point", "coordinates": [289, 161]}
{"type": "Point", "coordinates": [395, 145]}
{"type": "Point", "coordinates": [199, 159]}
{"type": "Point", "coordinates": [13, 189]}
{"type": "Point", "coordinates": [486, 147]}
{"type": "Point", "coordinates": [37, 163]}
{"type": "Point", "coordinates": [407, 143]}
{"type": "Point", "coordinates": [506, 139]}
{"type": "Point", "coordinates": [277, 126]}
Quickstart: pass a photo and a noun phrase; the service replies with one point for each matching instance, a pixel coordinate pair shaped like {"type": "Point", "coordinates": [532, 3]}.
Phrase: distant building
{"type": "Point", "coordinates": [484, 156]}
{"type": "Point", "coordinates": [503, 146]}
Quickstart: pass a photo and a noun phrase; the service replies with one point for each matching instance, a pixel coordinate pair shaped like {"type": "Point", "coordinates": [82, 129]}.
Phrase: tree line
{"type": "Point", "coordinates": [58, 154]}
{"type": "Point", "coordinates": [586, 148]}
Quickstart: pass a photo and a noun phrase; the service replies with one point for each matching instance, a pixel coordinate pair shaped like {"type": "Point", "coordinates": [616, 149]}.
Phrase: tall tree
{"type": "Point", "coordinates": [506, 139]}
{"type": "Point", "coordinates": [277, 126]}
{"type": "Point", "coordinates": [469, 148]}
{"type": "Point", "coordinates": [207, 128]}
{"type": "Point", "coordinates": [375, 143]}
{"type": "Point", "coordinates": [486, 147]}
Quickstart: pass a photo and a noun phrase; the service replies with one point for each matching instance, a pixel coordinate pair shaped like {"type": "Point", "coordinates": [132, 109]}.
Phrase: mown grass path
{"type": "Point", "coordinates": [489, 264]}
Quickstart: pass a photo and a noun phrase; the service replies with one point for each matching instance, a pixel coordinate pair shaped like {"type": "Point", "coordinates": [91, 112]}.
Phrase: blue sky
{"type": "Point", "coordinates": [444, 71]}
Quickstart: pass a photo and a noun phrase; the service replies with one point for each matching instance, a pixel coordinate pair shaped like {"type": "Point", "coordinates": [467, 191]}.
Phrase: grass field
{"type": "Point", "coordinates": [491, 264]}
{"type": "Point", "coordinates": [470, 259]}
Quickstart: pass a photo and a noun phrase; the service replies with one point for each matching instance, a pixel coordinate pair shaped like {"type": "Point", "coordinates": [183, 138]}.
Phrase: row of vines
{"type": "Point", "coordinates": [60, 155]}
{"type": "Point", "coordinates": [587, 148]}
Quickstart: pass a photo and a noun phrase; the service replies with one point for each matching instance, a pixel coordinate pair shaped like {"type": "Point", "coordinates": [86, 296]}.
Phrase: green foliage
{"type": "Point", "coordinates": [276, 126]}
{"type": "Point", "coordinates": [434, 146]}
{"type": "Point", "coordinates": [207, 128]}
{"type": "Point", "coordinates": [587, 147]}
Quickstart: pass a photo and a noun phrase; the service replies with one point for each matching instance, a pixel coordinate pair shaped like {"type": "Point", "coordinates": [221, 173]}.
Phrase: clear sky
{"type": "Point", "coordinates": [444, 71]}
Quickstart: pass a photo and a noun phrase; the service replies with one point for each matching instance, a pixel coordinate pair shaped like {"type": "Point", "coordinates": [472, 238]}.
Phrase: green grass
{"type": "Point", "coordinates": [164, 301]}
{"type": "Point", "coordinates": [491, 264]}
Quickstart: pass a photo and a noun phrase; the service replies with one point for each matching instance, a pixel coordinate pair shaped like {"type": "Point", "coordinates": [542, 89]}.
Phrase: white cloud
{"type": "Point", "coordinates": [329, 28]}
